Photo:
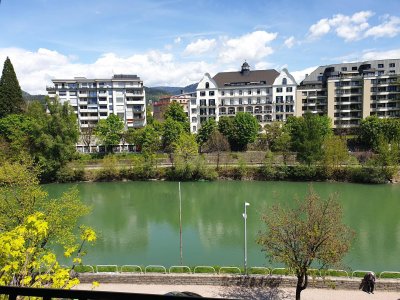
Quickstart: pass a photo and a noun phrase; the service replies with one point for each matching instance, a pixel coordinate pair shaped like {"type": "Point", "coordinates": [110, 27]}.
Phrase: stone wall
{"type": "Point", "coordinates": [234, 280]}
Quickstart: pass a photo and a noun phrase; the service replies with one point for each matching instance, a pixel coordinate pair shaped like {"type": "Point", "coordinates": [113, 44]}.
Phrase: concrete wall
{"type": "Point", "coordinates": [234, 280]}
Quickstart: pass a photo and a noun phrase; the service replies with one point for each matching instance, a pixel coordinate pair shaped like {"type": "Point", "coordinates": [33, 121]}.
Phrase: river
{"type": "Point", "coordinates": [138, 222]}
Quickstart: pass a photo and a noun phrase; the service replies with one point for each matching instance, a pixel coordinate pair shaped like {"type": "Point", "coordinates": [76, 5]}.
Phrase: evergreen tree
{"type": "Point", "coordinates": [11, 101]}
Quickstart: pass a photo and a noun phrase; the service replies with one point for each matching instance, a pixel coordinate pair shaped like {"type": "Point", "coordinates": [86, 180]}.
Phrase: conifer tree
{"type": "Point", "coordinates": [11, 101]}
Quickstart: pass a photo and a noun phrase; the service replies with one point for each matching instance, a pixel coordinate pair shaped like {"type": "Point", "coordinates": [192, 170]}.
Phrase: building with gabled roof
{"type": "Point", "coordinates": [269, 95]}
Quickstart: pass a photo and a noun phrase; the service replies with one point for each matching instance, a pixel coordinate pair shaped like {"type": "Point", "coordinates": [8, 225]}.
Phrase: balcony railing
{"type": "Point", "coordinates": [47, 294]}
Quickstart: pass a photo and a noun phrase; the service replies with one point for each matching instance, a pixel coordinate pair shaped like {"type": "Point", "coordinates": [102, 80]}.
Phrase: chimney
{"type": "Point", "coordinates": [306, 76]}
{"type": "Point", "coordinates": [181, 91]}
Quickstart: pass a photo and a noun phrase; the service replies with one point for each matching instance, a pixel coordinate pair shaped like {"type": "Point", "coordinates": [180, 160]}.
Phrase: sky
{"type": "Point", "coordinates": [174, 42]}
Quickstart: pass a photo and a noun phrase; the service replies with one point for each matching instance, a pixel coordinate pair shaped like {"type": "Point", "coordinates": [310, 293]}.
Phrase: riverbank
{"type": "Point", "coordinates": [202, 171]}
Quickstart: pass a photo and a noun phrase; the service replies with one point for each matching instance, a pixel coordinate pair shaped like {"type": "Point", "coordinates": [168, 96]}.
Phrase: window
{"type": "Point", "coordinates": [344, 68]}
{"type": "Point", "coordinates": [279, 99]}
{"type": "Point", "coordinates": [279, 90]}
{"type": "Point", "coordinates": [380, 66]}
{"type": "Point", "coordinates": [380, 73]}
{"type": "Point", "coordinates": [193, 102]}
{"type": "Point", "coordinates": [248, 92]}
{"type": "Point", "coordinates": [120, 100]}
{"type": "Point", "coordinates": [392, 65]}
{"type": "Point", "coordinates": [211, 102]}
{"type": "Point", "coordinates": [231, 93]}
{"type": "Point", "coordinates": [284, 81]}
{"type": "Point", "coordinates": [202, 94]}
{"type": "Point", "coordinates": [194, 128]}
{"type": "Point", "coordinates": [258, 92]}
{"type": "Point", "coordinates": [63, 93]}
{"type": "Point", "coordinates": [211, 93]}
{"type": "Point", "coordinates": [194, 119]}
{"type": "Point", "coordinates": [207, 85]}
{"type": "Point", "coordinates": [194, 110]}
{"type": "Point", "coordinates": [354, 68]}
{"type": "Point", "coordinates": [231, 102]}
{"type": "Point", "coordinates": [289, 89]}
{"type": "Point", "coordinates": [203, 102]}
{"type": "Point", "coordinates": [240, 92]}
{"type": "Point", "coordinates": [211, 111]}
{"type": "Point", "coordinates": [289, 99]}
{"type": "Point", "coordinates": [258, 100]}
{"type": "Point", "coordinates": [223, 93]}
{"type": "Point", "coordinates": [240, 101]}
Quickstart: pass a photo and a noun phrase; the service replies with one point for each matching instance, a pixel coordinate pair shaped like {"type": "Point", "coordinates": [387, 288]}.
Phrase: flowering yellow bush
{"type": "Point", "coordinates": [25, 262]}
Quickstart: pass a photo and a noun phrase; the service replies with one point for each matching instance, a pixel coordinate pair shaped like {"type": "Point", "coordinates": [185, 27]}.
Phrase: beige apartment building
{"type": "Point", "coordinates": [350, 92]}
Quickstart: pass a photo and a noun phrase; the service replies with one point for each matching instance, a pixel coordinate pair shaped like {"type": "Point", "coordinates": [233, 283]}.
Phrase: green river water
{"type": "Point", "coordinates": [138, 222]}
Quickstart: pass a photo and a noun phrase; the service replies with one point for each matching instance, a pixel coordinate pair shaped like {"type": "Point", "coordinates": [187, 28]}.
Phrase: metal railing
{"type": "Point", "coordinates": [47, 294]}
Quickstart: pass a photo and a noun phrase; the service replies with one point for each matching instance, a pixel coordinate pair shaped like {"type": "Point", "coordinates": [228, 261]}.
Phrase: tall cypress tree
{"type": "Point", "coordinates": [11, 101]}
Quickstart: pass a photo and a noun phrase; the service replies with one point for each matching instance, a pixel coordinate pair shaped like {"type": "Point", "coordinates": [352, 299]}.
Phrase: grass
{"type": "Point", "coordinates": [389, 275]}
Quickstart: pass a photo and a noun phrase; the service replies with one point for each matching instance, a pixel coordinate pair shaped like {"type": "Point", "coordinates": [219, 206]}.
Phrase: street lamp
{"type": "Point", "coordinates": [245, 236]}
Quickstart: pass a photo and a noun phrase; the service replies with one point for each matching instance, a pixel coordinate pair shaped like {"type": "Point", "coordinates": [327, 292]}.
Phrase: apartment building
{"type": "Point", "coordinates": [267, 94]}
{"type": "Point", "coordinates": [95, 99]}
{"type": "Point", "coordinates": [350, 92]}
{"type": "Point", "coordinates": [160, 106]}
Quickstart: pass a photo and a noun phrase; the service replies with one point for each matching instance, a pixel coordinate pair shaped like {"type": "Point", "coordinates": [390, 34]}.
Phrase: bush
{"type": "Point", "coordinates": [370, 175]}
{"type": "Point", "coordinates": [69, 174]}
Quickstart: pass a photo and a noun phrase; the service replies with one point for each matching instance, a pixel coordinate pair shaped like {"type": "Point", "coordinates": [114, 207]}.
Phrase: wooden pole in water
{"type": "Point", "coordinates": [180, 222]}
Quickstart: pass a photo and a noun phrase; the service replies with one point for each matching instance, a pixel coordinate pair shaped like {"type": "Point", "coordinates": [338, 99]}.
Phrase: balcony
{"type": "Point", "coordinates": [14, 293]}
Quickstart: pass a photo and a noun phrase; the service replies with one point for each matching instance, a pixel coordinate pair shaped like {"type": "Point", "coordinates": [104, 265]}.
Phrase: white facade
{"type": "Point", "coordinates": [266, 94]}
{"type": "Point", "coordinates": [284, 96]}
{"type": "Point", "coordinates": [95, 99]}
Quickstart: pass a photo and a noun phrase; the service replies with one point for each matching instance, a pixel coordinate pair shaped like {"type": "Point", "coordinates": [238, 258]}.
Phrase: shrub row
{"type": "Point", "coordinates": [199, 171]}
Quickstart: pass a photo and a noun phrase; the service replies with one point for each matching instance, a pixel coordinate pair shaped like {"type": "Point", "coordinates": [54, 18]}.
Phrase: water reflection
{"type": "Point", "coordinates": [139, 221]}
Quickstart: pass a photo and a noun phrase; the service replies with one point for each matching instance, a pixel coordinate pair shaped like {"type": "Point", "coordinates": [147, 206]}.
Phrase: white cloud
{"type": "Point", "coordinates": [350, 28]}
{"type": "Point", "coordinates": [251, 46]}
{"type": "Point", "coordinates": [36, 69]}
{"type": "Point", "coordinates": [319, 29]}
{"type": "Point", "coordinates": [389, 28]}
{"type": "Point", "coordinates": [289, 42]}
{"type": "Point", "coordinates": [200, 46]}
{"type": "Point", "coordinates": [372, 55]}
{"type": "Point", "coordinates": [263, 65]}
{"type": "Point", "coordinates": [177, 40]}
{"type": "Point", "coordinates": [300, 75]}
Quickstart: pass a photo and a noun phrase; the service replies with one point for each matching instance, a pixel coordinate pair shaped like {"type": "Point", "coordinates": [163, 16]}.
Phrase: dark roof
{"type": "Point", "coordinates": [238, 78]}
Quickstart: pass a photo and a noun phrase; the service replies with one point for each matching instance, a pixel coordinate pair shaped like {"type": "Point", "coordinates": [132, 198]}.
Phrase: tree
{"type": "Point", "coordinates": [205, 131]}
{"type": "Point", "coordinates": [11, 100]}
{"type": "Point", "coordinates": [282, 145]}
{"type": "Point", "coordinates": [245, 130]}
{"type": "Point", "coordinates": [185, 147]}
{"type": "Point", "coordinates": [171, 132]}
{"type": "Point", "coordinates": [48, 138]}
{"type": "Point", "coordinates": [31, 225]}
{"type": "Point", "coordinates": [273, 131]}
{"type": "Point", "coordinates": [109, 131]}
{"type": "Point", "coordinates": [307, 135]}
{"type": "Point", "coordinates": [175, 112]}
{"type": "Point", "coordinates": [87, 135]}
{"type": "Point", "coordinates": [372, 130]}
{"type": "Point", "coordinates": [225, 126]}
{"type": "Point", "coordinates": [240, 130]}
{"type": "Point", "coordinates": [23, 255]}
{"type": "Point", "coordinates": [310, 233]}
{"type": "Point", "coordinates": [218, 143]}
{"type": "Point", "coordinates": [53, 136]}
{"type": "Point", "coordinates": [147, 139]}
{"type": "Point", "coordinates": [335, 152]}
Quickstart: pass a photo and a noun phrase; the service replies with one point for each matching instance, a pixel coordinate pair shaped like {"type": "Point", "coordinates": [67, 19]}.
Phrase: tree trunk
{"type": "Point", "coordinates": [302, 281]}
{"type": "Point", "coordinates": [218, 160]}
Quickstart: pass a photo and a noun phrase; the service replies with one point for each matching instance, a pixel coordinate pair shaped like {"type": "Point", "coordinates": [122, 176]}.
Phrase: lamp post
{"type": "Point", "coordinates": [245, 236]}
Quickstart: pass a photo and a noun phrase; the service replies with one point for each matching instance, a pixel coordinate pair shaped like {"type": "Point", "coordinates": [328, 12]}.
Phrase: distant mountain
{"type": "Point", "coordinates": [28, 97]}
{"type": "Point", "coordinates": [176, 90]}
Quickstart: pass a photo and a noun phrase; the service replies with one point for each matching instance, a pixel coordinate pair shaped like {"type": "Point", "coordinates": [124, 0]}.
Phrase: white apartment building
{"type": "Point", "coordinates": [266, 94]}
{"type": "Point", "coordinates": [95, 99]}
{"type": "Point", "coordinates": [350, 92]}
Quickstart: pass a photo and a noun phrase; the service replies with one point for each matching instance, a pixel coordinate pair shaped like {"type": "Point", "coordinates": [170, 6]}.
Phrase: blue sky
{"type": "Point", "coordinates": [176, 42]}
